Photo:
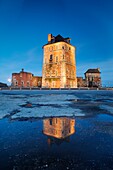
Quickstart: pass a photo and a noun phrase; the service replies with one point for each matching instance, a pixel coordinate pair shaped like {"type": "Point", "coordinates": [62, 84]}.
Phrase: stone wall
{"type": "Point", "coordinates": [59, 67]}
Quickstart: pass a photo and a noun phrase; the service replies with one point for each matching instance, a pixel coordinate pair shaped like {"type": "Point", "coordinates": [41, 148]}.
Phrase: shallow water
{"type": "Point", "coordinates": [56, 130]}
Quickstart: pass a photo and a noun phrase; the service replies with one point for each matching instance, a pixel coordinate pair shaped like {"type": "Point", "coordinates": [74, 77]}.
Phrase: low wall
{"type": "Point", "coordinates": [37, 88]}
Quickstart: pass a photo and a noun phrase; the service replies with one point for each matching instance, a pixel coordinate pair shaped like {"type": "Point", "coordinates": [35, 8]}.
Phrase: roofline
{"type": "Point", "coordinates": [59, 42]}
{"type": "Point", "coordinates": [92, 72]}
{"type": "Point", "coordinates": [23, 72]}
{"type": "Point", "coordinates": [38, 76]}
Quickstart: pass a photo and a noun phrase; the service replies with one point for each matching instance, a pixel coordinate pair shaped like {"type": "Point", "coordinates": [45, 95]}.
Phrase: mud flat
{"type": "Point", "coordinates": [56, 129]}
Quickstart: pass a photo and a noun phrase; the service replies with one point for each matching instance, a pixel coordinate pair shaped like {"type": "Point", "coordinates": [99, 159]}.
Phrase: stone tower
{"type": "Point", "coordinates": [59, 67]}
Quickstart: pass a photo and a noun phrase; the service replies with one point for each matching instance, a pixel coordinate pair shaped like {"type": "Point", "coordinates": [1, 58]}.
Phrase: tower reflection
{"type": "Point", "coordinates": [58, 129]}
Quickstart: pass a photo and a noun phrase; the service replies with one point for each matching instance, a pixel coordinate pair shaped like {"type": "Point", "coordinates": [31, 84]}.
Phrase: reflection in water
{"type": "Point", "coordinates": [58, 129]}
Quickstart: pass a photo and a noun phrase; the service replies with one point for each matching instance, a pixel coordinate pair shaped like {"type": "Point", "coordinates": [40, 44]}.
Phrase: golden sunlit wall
{"type": "Point", "coordinates": [59, 66]}
{"type": "Point", "coordinates": [59, 127]}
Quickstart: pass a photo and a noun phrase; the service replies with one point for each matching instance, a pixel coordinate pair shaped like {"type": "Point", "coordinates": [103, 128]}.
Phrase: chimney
{"type": "Point", "coordinates": [22, 70]}
{"type": "Point", "coordinates": [98, 69]}
{"type": "Point", "coordinates": [49, 38]}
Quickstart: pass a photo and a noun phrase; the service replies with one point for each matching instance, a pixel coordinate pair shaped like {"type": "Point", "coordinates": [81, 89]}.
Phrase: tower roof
{"type": "Point", "coordinates": [53, 39]}
{"type": "Point", "coordinates": [59, 38]}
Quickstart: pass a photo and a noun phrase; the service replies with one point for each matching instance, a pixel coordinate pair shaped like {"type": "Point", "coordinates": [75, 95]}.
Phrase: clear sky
{"type": "Point", "coordinates": [25, 24]}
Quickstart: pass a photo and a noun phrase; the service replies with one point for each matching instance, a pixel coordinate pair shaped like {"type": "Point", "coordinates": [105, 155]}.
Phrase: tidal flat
{"type": "Point", "coordinates": [56, 129]}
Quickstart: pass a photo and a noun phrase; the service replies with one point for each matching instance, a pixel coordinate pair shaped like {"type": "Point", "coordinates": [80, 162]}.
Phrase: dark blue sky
{"type": "Point", "coordinates": [24, 25]}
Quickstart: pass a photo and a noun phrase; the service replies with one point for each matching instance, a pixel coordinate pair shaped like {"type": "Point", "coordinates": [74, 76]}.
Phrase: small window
{"type": "Point", "coordinates": [50, 73]}
{"type": "Point", "coordinates": [56, 58]}
{"type": "Point", "coordinates": [28, 84]}
{"type": "Point", "coordinates": [39, 83]}
{"type": "Point", "coordinates": [50, 121]}
{"type": "Point", "coordinates": [62, 47]}
{"type": "Point", "coordinates": [63, 123]}
{"type": "Point", "coordinates": [16, 83]}
{"type": "Point", "coordinates": [56, 120]}
{"type": "Point", "coordinates": [63, 57]}
{"type": "Point", "coordinates": [69, 48]}
{"type": "Point", "coordinates": [51, 48]}
{"type": "Point", "coordinates": [51, 57]}
{"type": "Point", "coordinates": [56, 73]}
{"type": "Point", "coordinates": [53, 84]}
{"type": "Point", "coordinates": [22, 83]}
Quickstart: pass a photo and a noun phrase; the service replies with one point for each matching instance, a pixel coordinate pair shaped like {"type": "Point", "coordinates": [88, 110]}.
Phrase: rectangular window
{"type": "Point", "coordinates": [50, 121]}
{"type": "Point", "coordinates": [56, 58]}
{"type": "Point", "coordinates": [22, 83]}
{"type": "Point", "coordinates": [50, 73]}
{"type": "Point", "coordinates": [28, 84]}
{"type": "Point", "coordinates": [53, 84]}
{"type": "Point", "coordinates": [16, 83]}
{"type": "Point", "coordinates": [56, 120]}
{"type": "Point", "coordinates": [56, 73]}
{"type": "Point", "coordinates": [51, 57]}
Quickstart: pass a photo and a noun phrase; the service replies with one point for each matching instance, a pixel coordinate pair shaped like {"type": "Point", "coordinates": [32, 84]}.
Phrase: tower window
{"type": "Point", "coordinates": [57, 59]}
{"type": "Point", "coordinates": [50, 73]}
{"type": "Point", "coordinates": [53, 84]}
{"type": "Point", "coordinates": [50, 121]}
{"type": "Point", "coordinates": [56, 73]}
{"type": "Point", "coordinates": [56, 120]}
{"type": "Point", "coordinates": [51, 57]}
{"type": "Point", "coordinates": [62, 47]}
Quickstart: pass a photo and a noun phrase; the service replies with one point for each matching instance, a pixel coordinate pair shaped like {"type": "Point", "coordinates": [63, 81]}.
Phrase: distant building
{"type": "Point", "coordinates": [3, 85]}
{"type": "Point", "coordinates": [25, 79]}
{"type": "Point", "coordinates": [59, 66]}
{"type": "Point", "coordinates": [81, 82]}
{"type": "Point", "coordinates": [93, 78]}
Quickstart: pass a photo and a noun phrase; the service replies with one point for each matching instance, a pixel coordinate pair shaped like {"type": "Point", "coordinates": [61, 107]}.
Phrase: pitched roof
{"type": "Point", "coordinates": [58, 38]}
{"type": "Point", "coordinates": [93, 71]}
